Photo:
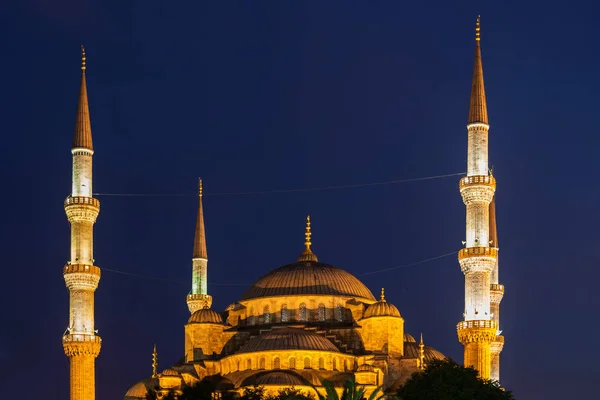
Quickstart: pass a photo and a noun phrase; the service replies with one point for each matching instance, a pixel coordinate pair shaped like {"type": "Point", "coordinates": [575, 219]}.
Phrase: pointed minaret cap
{"type": "Point", "coordinates": [82, 138]}
{"type": "Point", "coordinates": [478, 106]}
{"type": "Point", "coordinates": [307, 254]}
{"type": "Point", "coordinates": [382, 295]}
{"type": "Point", "coordinates": [200, 237]}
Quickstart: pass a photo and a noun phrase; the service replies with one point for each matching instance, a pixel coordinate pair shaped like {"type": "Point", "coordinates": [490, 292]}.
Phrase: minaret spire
{"type": "Point", "coordinates": [198, 297]}
{"type": "Point", "coordinates": [478, 107]}
{"type": "Point", "coordinates": [307, 254]}
{"type": "Point", "coordinates": [82, 138]}
{"type": "Point", "coordinates": [154, 362]}
{"type": "Point", "coordinates": [421, 353]}
{"type": "Point", "coordinates": [81, 343]}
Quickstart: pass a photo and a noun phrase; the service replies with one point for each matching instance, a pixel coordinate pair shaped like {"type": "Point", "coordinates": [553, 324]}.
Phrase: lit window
{"type": "Point", "coordinates": [321, 312]}
{"type": "Point", "coordinates": [338, 313]}
{"type": "Point", "coordinates": [261, 364]}
{"type": "Point", "coordinates": [285, 315]}
{"type": "Point", "coordinates": [335, 364]}
{"type": "Point", "coordinates": [302, 312]}
{"type": "Point", "coordinates": [321, 363]}
{"type": "Point", "coordinates": [306, 363]}
{"type": "Point", "coordinates": [267, 315]}
{"type": "Point", "coordinates": [276, 363]}
{"type": "Point", "coordinates": [292, 363]}
{"type": "Point", "coordinates": [248, 364]}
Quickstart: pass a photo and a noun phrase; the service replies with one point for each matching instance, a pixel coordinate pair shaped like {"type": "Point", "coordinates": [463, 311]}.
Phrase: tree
{"type": "Point", "coordinates": [351, 391]}
{"type": "Point", "coordinates": [446, 380]}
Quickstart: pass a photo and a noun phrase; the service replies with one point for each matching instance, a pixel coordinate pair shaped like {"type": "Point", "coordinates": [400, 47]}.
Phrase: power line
{"type": "Point", "coordinates": [315, 189]}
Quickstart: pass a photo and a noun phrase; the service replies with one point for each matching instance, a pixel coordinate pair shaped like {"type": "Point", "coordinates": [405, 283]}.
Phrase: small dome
{"type": "Point", "coordinates": [382, 309]}
{"type": "Point", "coordinates": [288, 339]}
{"type": "Point", "coordinates": [411, 350]}
{"type": "Point", "coordinates": [169, 372]}
{"type": "Point", "coordinates": [280, 379]}
{"type": "Point", "coordinates": [140, 389]}
{"type": "Point", "coordinates": [409, 338]}
{"type": "Point", "coordinates": [205, 316]}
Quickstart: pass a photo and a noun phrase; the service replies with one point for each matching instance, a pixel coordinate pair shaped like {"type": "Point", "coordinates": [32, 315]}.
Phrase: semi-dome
{"type": "Point", "coordinates": [280, 378]}
{"type": "Point", "coordinates": [169, 372]}
{"type": "Point", "coordinates": [382, 309]}
{"type": "Point", "coordinates": [308, 278]}
{"type": "Point", "coordinates": [411, 350]}
{"type": "Point", "coordinates": [205, 316]}
{"type": "Point", "coordinates": [288, 339]}
{"type": "Point", "coordinates": [140, 389]}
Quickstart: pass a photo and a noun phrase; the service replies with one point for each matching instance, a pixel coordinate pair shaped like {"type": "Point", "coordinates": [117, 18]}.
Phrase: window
{"type": "Point", "coordinates": [276, 363]}
{"type": "Point", "coordinates": [292, 363]}
{"type": "Point", "coordinates": [238, 365]}
{"type": "Point", "coordinates": [248, 364]}
{"type": "Point", "coordinates": [321, 312]}
{"type": "Point", "coordinates": [302, 316]}
{"type": "Point", "coordinates": [285, 315]}
{"type": "Point", "coordinates": [335, 364]}
{"type": "Point", "coordinates": [321, 363]}
{"type": "Point", "coordinates": [261, 364]}
{"type": "Point", "coordinates": [338, 313]}
{"type": "Point", "coordinates": [306, 363]}
{"type": "Point", "coordinates": [267, 315]}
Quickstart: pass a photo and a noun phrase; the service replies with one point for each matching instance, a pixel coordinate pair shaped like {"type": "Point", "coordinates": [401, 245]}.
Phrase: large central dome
{"type": "Point", "coordinates": [306, 278]}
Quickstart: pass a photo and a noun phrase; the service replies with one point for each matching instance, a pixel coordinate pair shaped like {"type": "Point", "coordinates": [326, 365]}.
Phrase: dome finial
{"type": "Point", "coordinates": [82, 58]}
{"type": "Point", "coordinates": [307, 254]}
{"type": "Point", "coordinates": [154, 362]}
{"type": "Point", "coordinates": [382, 294]}
{"type": "Point", "coordinates": [478, 29]}
{"type": "Point", "coordinates": [421, 353]}
{"type": "Point", "coordinates": [200, 187]}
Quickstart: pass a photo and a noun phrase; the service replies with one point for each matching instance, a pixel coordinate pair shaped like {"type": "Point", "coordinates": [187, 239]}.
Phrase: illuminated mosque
{"type": "Point", "coordinates": [304, 321]}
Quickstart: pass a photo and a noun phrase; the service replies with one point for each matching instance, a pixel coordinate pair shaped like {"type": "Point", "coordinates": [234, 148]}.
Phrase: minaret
{"type": "Point", "coordinates": [478, 258]}
{"type": "Point", "coordinates": [199, 297]}
{"type": "Point", "coordinates": [81, 343]}
{"type": "Point", "coordinates": [496, 294]}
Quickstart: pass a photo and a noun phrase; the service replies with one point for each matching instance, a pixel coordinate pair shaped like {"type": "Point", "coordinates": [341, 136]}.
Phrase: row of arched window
{"type": "Point", "coordinates": [268, 317]}
{"type": "Point", "coordinates": [292, 363]}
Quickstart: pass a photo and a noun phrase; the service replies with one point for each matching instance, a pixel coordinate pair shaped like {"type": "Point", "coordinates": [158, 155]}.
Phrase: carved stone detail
{"type": "Point", "coordinates": [82, 280]}
{"type": "Point", "coordinates": [197, 302]}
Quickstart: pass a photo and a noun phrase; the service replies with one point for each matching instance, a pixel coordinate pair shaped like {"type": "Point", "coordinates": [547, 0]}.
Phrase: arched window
{"type": "Point", "coordinates": [292, 363]}
{"type": "Point", "coordinates": [338, 313]}
{"type": "Point", "coordinates": [238, 365]}
{"type": "Point", "coordinates": [346, 365]}
{"type": "Point", "coordinates": [321, 312]}
{"type": "Point", "coordinates": [335, 364]}
{"type": "Point", "coordinates": [321, 363]}
{"type": "Point", "coordinates": [276, 363]}
{"type": "Point", "coordinates": [285, 315]}
{"type": "Point", "coordinates": [261, 363]}
{"type": "Point", "coordinates": [248, 364]}
{"type": "Point", "coordinates": [266, 315]}
{"type": "Point", "coordinates": [306, 363]}
{"type": "Point", "coordinates": [302, 316]}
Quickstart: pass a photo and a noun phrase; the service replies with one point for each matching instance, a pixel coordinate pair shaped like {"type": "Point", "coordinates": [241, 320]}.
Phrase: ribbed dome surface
{"type": "Point", "coordinates": [411, 350]}
{"type": "Point", "coordinates": [382, 309]}
{"type": "Point", "coordinates": [280, 378]}
{"type": "Point", "coordinates": [169, 372]}
{"type": "Point", "coordinates": [140, 389]}
{"type": "Point", "coordinates": [288, 339]}
{"type": "Point", "coordinates": [205, 316]}
{"type": "Point", "coordinates": [306, 278]}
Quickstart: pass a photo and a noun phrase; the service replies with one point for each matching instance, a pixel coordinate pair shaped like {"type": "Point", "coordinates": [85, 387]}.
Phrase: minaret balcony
{"type": "Point", "coordinates": [81, 337]}
{"type": "Point", "coordinates": [80, 344]}
{"type": "Point", "coordinates": [81, 268]}
{"type": "Point", "coordinates": [81, 277]}
{"type": "Point", "coordinates": [496, 293]}
{"type": "Point", "coordinates": [82, 209]}
{"type": "Point", "coordinates": [477, 331]}
{"type": "Point", "coordinates": [477, 259]}
{"type": "Point", "coordinates": [477, 189]}
{"type": "Point", "coordinates": [90, 201]}
{"type": "Point", "coordinates": [481, 323]}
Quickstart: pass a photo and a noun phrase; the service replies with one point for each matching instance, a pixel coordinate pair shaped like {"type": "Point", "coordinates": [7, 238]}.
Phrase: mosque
{"type": "Point", "coordinates": [304, 321]}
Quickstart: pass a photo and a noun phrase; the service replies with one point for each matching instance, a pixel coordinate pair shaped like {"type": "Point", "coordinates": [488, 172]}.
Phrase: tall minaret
{"type": "Point", "coordinates": [81, 343]}
{"type": "Point", "coordinates": [478, 258]}
{"type": "Point", "coordinates": [199, 297]}
{"type": "Point", "coordinates": [496, 294]}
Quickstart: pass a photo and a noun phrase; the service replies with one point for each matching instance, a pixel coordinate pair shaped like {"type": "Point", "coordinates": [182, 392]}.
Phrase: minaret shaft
{"type": "Point", "coordinates": [80, 343]}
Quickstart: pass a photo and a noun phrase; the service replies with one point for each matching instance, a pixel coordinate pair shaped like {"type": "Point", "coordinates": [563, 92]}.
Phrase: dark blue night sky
{"type": "Point", "coordinates": [260, 95]}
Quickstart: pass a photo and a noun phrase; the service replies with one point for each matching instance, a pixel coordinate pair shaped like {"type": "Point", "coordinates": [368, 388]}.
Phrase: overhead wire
{"type": "Point", "coordinates": [297, 190]}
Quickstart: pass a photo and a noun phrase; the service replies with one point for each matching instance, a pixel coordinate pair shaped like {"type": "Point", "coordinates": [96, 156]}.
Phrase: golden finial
{"type": "Point", "coordinates": [82, 58]}
{"type": "Point", "coordinates": [154, 362]}
{"type": "Point", "coordinates": [307, 233]}
{"type": "Point", "coordinates": [478, 28]}
{"type": "Point", "coordinates": [422, 353]}
{"type": "Point", "coordinates": [200, 187]}
{"type": "Point", "coordinates": [382, 294]}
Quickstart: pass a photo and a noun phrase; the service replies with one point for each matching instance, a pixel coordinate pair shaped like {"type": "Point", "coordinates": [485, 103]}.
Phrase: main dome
{"type": "Point", "coordinates": [288, 339]}
{"type": "Point", "coordinates": [306, 278]}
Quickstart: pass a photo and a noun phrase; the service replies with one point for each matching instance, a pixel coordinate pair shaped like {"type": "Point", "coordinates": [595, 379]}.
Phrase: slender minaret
{"type": "Point", "coordinates": [80, 342]}
{"type": "Point", "coordinates": [496, 294]}
{"type": "Point", "coordinates": [478, 258]}
{"type": "Point", "coordinates": [199, 297]}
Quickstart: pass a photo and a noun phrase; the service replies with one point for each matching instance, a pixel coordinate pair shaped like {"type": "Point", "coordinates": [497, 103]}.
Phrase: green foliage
{"type": "Point", "coordinates": [290, 393]}
{"type": "Point", "coordinates": [446, 380]}
{"type": "Point", "coordinates": [351, 391]}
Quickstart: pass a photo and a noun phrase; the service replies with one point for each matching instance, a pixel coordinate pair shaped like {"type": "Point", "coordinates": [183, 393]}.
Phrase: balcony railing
{"type": "Point", "coordinates": [487, 180]}
{"type": "Point", "coordinates": [81, 268]}
{"type": "Point", "coordinates": [82, 200]}
{"type": "Point", "coordinates": [484, 323]}
{"type": "Point", "coordinates": [81, 337]}
{"type": "Point", "coordinates": [477, 252]}
{"type": "Point", "coordinates": [496, 287]}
